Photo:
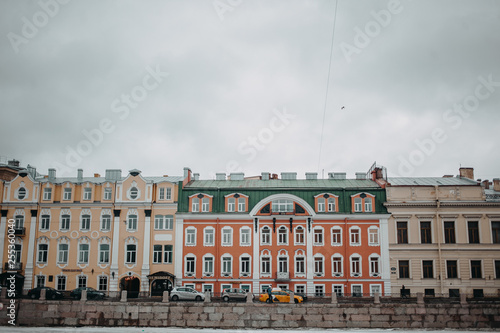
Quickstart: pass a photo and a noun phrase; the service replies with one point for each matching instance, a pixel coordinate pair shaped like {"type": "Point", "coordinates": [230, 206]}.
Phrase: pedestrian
{"type": "Point", "coordinates": [269, 293]}
{"type": "Point", "coordinates": [403, 291]}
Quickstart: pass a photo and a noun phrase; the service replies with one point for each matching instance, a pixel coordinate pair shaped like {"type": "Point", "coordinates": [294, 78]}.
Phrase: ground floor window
{"type": "Point", "coordinates": [208, 287]}
{"type": "Point", "coordinates": [263, 288]}
{"type": "Point", "coordinates": [103, 283]}
{"type": "Point", "coordinates": [319, 290]}
{"type": "Point", "coordinates": [82, 281]}
{"type": "Point", "coordinates": [61, 283]}
{"type": "Point", "coordinates": [357, 290]}
{"type": "Point", "coordinates": [301, 289]}
{"type": "Point", "coordinates": [339, 290]}
{"type": "Point", "coordinates": [40, 280]}
{"type": "Point", "coordinates": [374, 289]}
{"type": "Point", "coordinates": [226, 286]}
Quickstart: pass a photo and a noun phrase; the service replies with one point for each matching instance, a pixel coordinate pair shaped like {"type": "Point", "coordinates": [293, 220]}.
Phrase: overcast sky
{"type": "Point", "coordinates": [241, 85]}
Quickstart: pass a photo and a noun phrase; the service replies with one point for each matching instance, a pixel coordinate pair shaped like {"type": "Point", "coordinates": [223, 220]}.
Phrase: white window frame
{"type": "Point", "coordinates": [131, 254]}
{"type": "Point", "coordinates": [245, 236]}
{"type": "Point", "coordinates": [296, 265]}
{"type": "Point", "coordinates": [209, 236]}
{"type": "Point", "coordinates": [132, 222]}
{"type": "Point", "coordinates": [206, 259]}
{"type": "Point", "coordinates": [282, 235]}
{"type": "Point", "coordinates": [371, 258]}
{"type": "Point", "coordinates": [104, 254]}
{"type": "Point", "coordinates": [231, 204]}
{"type": "Point", "coordinates": [45, 222]}
{"type": "Point", "coordinates": [373, 230]}
{"type": "Point", "coordinates": [295, 235]}
{"type": "Point", "coordinates": [105, 222]}
{"type": "Point", "coordinates": [339, 228]}
{"type": "Point", "coordinates": [267, 235]}
{"type": "Point", "coordinates": [42, 256]}
{"type": "Point", "coordinates": [205, 205]}
{"type": "Point", "coordinates": [87, 193]}
{"type": "Point", "coordinates": [226, 266]}
{"type": "Point", "coordinates": [195, 205]}
{"type": "Point", "coordinates": [157, 254]}
{"type": "Point", "coordinates": [189, 273]}
{"type": "Point", "coordinates": [321, 232]}
{"type": "Point", "coordinates": [161, 193]}
{"type": "Point", "coordinates": [47, 193]}
{"type": "Point", "coordinates": [368, 205]}
{"type": "Point", "coordinates": [358, 204]}
{"type": "Point", "coordinates": [321, 259]}
{"type": "Point", "coordinates": [62, 253]}
{"type": "Point", "coordinates": [340, 270]}
{"type": "Point", "coordinates": [168, 255]}
{"type": "Point", "coordinates": [108, 193]}
{"type": "Point", "coordinates": [85, 220]}
{"type": "Point", "coordinates": [242, 207]}
{"type": "Point", "coordinates": [65, 218]}
{"type": "Point", "coordinates": [83, 255]}
{"type": "Point", "coordinates": [269, 259]}
{"type": "Point", "coordinates": [243, 258]}
{"type": "Point", "coordinates": [351, 261]}
{"type": "Point", "coordinates": [67, 193]}
{"type": "Point", "coordinates": [190, 236]}
{"type": "Point", "coordinates": [227, 236]}
{"type": "Point", "coordinates": [351, 233]}
{"type": "Point", "coordinates": [321, 205]}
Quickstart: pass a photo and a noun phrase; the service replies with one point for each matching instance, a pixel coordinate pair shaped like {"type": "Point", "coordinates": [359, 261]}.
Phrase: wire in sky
{"type": "Point", "coordinates": [327, 84]}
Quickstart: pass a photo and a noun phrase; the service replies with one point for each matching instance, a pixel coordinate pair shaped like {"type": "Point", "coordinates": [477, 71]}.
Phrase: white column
{"type": "Point", "coordinates": [256, 258]}
{"type": "Point", "coordinates": [113, 285]}
{"type": "Point", "coordinates": [179, 242]}
{"type": "Point", "coordinates": [3, 227]}
{"type": "Point", "coordinates": [385, 259]}
{"type": "Point", "coordinates": [309, 258]}
{"type": "Point", "coordinates": [146, 250]}
{"type": "Point", "coordinates": [28, 271]}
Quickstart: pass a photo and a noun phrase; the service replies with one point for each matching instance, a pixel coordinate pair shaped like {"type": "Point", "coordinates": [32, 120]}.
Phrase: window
{"type": "Point", "coordinates": [104, 253]}
{"type": "Point", "coordinates": [357, 291]}
{"type": "Point", "coordinates": [321, 205]}
{"type": "Point", "coordinates": [132, 222]}
{"type": "Point", "coordinates": [301, 289]}
{"type": "Point", "coordinates": [337, 266]}
{"type": "Point", "coordinates": [82, 281]}
{"type": "Point", "coordinates": [83, 253]}
{"type": "Point", "coordinates": [355, 236]}
{"type": "Point", "coordinates": [67, 194]}
{"type": "Point", "coordinates": [475, 269]}
{"type": "Point", "coordinates": [61, 283]}
{"type": "Point", "coordinates": [157, 254]}
{"type": "Point", "coordinates": [497, 269]}
{"type": "Point", "coordinates": [373, 236]}
{"type": "Point", "coordinates": [266, 236]}
{"type": "Point", "coordinates": [18, 252]}
{"type": "Point", "coordinates": [168, 252]}
{"type": "Point", "coordinates": [103, 283]}
{"type": "Point", "coordinates": [226, 266]}
{"type": "Point", "coordinates": [190, 237]}
{"type": "Point", "coordinates": [319, 290]}
{"type": "Point", "coordinates": [205, 206]}
{"type": "Point", "coordinates": [231, 203]}
{"type": "Point", "coordinates": [337, 289]}
{"type": "Point", "coordinates": [299, 236]}
{"type": "Point", "coordinates": [336, 236]}
{"type": "Point", "coordinates": [318, 236]}
{"type": "Point", "coordinates": [47, 194]}
{"type": "Point", "coordinates": [19, 222]}
{"type": "Point", "coordinates": [245, 266]}
{"type": "Point", "coordinates": [318, 266]}
{"type": "Point", "coordinates": [245, 237]}
{"type": "Point", "coordinates": [65, 220]}
{"type": "Point", "coordinates": [161, 195]}
{"type": "Point", "coordinates": [62, 253]}
{"type": "Point", "coordinates": [282, 264]}
{"type": "Point", "coordinates": [241, 204]}
{"type": "Point", "coordinates": [374, 266]}
{"type": "Point", "coordinates": [105, 222]}
{"type": "Point", "coordinates": [402, 229]}
{"type": "Point", "coordinates": [164, 222]}
{"type": "Point", "coordinates": [368, 204]}
{"type": "Point", "coordinates": [43, 251]}
{"type": "Point", "coordinates": [40, 280]}
{"type": "Point", "coordinates": [427, 269]}
{"type": "Point", "coordinates": [473, 230]}
{"type": "Point", "coordinates": [282, 206]}
{"type": "Point", "coordinates": [425, 233]}
{"type": "Point", "coordinates": [495, 232]}
{"type": "Point", "coordinates": [227, 236]}
{"type": "Point", "coordinates": [208, 236]}
{"type": "Point", "coordinates": [21, 193]}
{"type": "Point", "coordinates": [168, 193]}
{"type": "Point", "coordinates": [331, 204]}
{"type": "Point", "coordinates": [300, 265]}
{"type": "Point", "coordinates": [358, 204]}
{"type": "Point", "coordinates": [195, 205]}
{"type": "Point", "coordinates": [449, 232]}
{"type": "Point", "coordinates": [87, 193]}
{"type": "Point", "coordinates": [208, 266]}
{"type": "Point", "coordinates": [131, 254]}
{"type": "Point", "coordinates": [85, 222]}
{"type": "Point", "coordinates": [355, 266]}
{"type": "Point", "coordinates": [404, 269]}
{"type": "Point", "coordinates": [451, 269]}
{"type": "Point", "coordinates": [282, 236]}
{"type": "Point", "coordinates": [134, 193]}
{"type": "Point", "coordinates": [107, 193]}
{"type": "Point", "coordinates": [45, 225]}
{"type": "Point", "coordinates": [266, 265]}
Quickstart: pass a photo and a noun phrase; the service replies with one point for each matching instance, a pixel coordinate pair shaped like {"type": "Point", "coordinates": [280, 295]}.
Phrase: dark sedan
{"type": "Point", "coordinates": [91, 293]}
{"type": "Point", "coordinates": [50, 293]}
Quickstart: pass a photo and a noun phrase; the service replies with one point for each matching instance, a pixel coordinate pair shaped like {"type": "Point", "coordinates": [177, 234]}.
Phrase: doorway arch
{"type": "Point", "coordinates": [132, 285]}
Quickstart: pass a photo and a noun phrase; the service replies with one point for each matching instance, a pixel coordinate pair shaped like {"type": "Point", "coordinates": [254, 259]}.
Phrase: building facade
{"type": "Point", "coordinates": [444, 235]}
{"type": "Point", "coordinates": [111, 233]}
{"type": "Point", "coordinates": [314, 236]}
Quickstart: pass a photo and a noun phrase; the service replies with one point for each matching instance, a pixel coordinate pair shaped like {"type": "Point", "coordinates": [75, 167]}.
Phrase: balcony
{"type": "Point", "coordinates": [20, 231]}
{"type": "Point", "coordinates": [18, 266]}
{"type": "Point", "coordinates": [282, 276]}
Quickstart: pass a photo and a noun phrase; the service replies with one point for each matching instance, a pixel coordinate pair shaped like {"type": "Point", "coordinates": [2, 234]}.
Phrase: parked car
{"type": "Point", "coordinates": [279, 295]}
{"type": "Point", "coordinates": [235, 294]}
{"type": "Point", "coordinates": [186, 293]}
{"type": "Point", "coordinates": [304, 296]}
{"type": "Point", "coordinates": [50, 293]}
{"type": "Point", "coordinates": [91, 293]}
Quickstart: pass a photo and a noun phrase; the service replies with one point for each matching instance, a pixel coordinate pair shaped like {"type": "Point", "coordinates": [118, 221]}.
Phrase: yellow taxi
{"type": "Point", "coordinates": [279, 295]}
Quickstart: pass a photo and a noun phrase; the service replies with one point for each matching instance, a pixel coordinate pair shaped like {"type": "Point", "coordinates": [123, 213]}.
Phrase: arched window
{"type": "Point", "coordinates": [282, 235]}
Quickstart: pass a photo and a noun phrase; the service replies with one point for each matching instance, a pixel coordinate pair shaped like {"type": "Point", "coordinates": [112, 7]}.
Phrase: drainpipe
{"type": "Point", "coordinates": [439, 237]}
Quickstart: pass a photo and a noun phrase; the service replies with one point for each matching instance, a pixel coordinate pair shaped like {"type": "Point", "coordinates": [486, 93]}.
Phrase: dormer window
{"type": "Point", "coordinates": [363, 202]}
{"type": "Point", "coordinates": [326, 203]}
{"type": "Point", "coordinates": [236, 202]}
{"type": "Point", "coordinates": [200, 201]}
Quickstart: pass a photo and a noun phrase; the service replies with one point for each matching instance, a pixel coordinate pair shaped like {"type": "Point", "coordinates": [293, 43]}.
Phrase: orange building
{"type": "Point", "coordinates": [314, 236]}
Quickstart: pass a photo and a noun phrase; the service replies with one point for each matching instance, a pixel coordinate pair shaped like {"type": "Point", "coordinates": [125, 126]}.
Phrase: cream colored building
{"type": "Point", "coordinates": [444, 235]}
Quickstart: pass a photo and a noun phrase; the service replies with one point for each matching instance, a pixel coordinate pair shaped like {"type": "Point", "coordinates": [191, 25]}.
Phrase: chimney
{"type": "Point", "coordinates": [496, 184]}
{"type": "Point", "coordinates": [220, 176]}
{"type": "Point", "coordinates": [113, 175]}
{"type": "Point", "coordinates": [196, 176]}
{"type": "Point", "coordinates": [264, 175]}
{"type": "Point", "coordinates": [13, 163]}
{"type": "Point", "coordinates": [467, 173]}
{"type": "Point", "coordinates": [360, 176]}
{"type": "Point", "coordinates": [311, 175]}
{"type": "Point", "coordinates": [52, 174]}
{"type": "Point", "coordinates": [31, 171]}
{"type": "Point", "coordinates": [237, 176]}
{"type": "Point", "coordinates": [337, 175]}
{"type": "Point", "coordinates": [96, 175]}
{"type": "Point", "coordinates": [187, 176]}
{"type": "Point", "coordinates": [80, 175]}
{"type": "Point", "coordinates": [486, 184]}
{"type": "Point", "coordinates": [289, 176]}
